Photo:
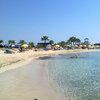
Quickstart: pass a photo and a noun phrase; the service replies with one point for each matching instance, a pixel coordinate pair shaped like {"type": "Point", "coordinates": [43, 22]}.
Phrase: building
{"type": "Point", "coordinates": [41, 44]}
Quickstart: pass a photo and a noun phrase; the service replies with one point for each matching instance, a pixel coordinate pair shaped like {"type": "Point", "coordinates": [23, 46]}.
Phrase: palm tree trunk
{"type": "Point", "coordinates": [45, 43]}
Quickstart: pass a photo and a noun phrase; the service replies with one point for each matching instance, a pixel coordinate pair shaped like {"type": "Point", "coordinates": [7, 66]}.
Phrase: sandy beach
{"type": "Point", "coordinates": [25, 57]}
{"type": "Point", "coordinates": [28, 78]}
{"type": "Point", "coordinates": [27, 83]}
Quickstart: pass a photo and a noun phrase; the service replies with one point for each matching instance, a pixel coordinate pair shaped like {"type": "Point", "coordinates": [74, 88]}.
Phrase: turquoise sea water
{"type": "Point", "coordinates": [77, 76]}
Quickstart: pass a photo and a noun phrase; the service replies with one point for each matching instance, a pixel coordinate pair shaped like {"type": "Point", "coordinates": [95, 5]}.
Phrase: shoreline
{"type": "Point", "coordinates": [12, 61]}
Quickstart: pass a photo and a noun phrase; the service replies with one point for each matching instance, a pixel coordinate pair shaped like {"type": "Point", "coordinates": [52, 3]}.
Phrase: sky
{"type": "Point", "coordinates": [58, 19]}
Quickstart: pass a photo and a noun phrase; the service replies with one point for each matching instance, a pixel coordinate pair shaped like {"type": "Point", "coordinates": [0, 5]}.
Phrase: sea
{"type": "Point", "coordinates": [76, 76]}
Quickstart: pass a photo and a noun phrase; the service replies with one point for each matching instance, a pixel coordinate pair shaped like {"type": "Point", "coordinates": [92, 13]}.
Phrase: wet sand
{"type": "Point", "coordinates": [27, 83]}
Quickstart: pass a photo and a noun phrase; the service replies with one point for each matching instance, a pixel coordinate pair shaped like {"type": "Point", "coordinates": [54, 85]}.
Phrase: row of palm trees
{"type": "Point", "coordinates": [12, 42]}
{"type": "Point", "coordinates": [44, 38]}
{"type": "Point", "coordinates": [71, 41]}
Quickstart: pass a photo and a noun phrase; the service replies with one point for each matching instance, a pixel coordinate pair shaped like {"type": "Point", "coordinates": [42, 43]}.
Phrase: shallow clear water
{"type": "Point", "coordinates": [77, 76]}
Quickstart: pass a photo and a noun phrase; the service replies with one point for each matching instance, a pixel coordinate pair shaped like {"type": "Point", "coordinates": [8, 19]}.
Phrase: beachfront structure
{"type": "Point", "coordinates": [17, 45]}
{"type": "Point", "coordinates": [41, 44]}
{"type": "Point", "coordinates": [97, 45]}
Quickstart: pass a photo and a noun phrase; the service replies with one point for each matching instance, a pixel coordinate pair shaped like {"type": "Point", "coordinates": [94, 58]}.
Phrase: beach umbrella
{"type": "Point", "coordinates": [24, 46]}
{"type": "Point", "coordinates": [76, 46]}
{"type": "Point", "coordinates": [80, 45]}
{"type": "Point", "coordinates": [84, 45]}
{"type": "Point", "coordinates": [48, 47]}
{"type": "Point", "coordinates": [68, 45]}
{"type": "Point", "coordinates": [57, 45]}
{"type": "Point", "coordinates": [89, 46]}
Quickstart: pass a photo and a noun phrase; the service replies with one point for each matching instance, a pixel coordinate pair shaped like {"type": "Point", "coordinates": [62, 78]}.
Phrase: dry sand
{"type": "Point", "coordinates": [28, 78]}
{"type": "Point", "coordinates": [8, 59]}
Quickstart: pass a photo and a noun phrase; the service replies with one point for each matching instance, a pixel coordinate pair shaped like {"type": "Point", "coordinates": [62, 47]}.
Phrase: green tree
{"type": "Point", "coordinates": [51, 42]}
{"type": "Point", "coordinates": [11, 42]}
{"type": "Point", "coordinates": [22, 42]}
{"type": "Point", "coordinates": [86, 41]}
{"type": "Point", "coordinates": [31, 44]}
{"type": "Point", "coordinates": [45, 39]}
{"type": "Point", "coordinates": [78, 41]}
{"type": "Point", "coordinates": [72, 40]}
{"type": "Point", "coordinates": [1, 41]}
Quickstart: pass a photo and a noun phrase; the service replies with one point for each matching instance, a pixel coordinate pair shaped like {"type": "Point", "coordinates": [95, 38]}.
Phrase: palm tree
{"type": "Point", "coordinates": [45, 38]}
{"type": "Point", "coordinates": [11, 42]}
{"type": "Point", "coordinates": [86, 41]}
{"type": "Point", "coordinates": [72, 40]}
{"type": "Point", "coordinates": [51, 42]}
{"type": "Point", "coordinates": [1, 41]}
{"type": "Point", "coordinates": [31, 44]}
{"type": "Point", "coordinates": [78, 41]}
{"type": "Point", "coordinates": [22, 42]}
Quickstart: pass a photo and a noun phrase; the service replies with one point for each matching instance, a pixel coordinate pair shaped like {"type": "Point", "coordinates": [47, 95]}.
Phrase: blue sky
{"type": "Point", "coordinates": [58, 19]}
